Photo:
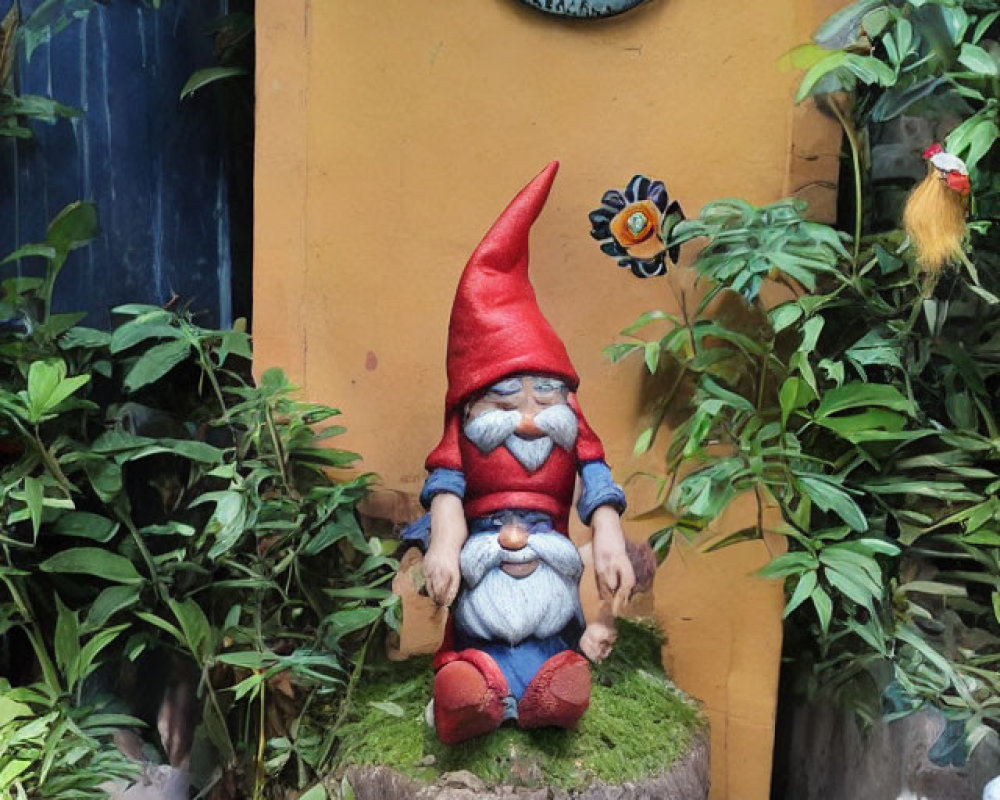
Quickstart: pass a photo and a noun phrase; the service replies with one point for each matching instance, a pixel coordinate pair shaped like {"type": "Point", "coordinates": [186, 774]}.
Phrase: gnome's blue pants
{"type": "Point", "coordinates": [519, 663]}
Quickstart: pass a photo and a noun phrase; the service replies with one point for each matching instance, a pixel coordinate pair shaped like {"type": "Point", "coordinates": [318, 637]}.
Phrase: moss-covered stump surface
{"type": "Point", "coordinates": [640, 738]}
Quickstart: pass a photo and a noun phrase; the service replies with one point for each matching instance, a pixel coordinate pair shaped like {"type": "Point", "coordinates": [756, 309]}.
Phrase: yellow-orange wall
{"type": "Point", "coordinates": [389, 136]}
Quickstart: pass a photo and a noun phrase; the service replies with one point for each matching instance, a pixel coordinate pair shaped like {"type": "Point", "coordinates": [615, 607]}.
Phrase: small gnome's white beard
{"type": "Point", "coordinates": [493, 428]}
{"type": "Point", "coordinates": [498, 607]}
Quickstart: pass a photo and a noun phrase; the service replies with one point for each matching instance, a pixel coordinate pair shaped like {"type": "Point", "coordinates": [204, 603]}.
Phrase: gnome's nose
{"type": "Point", "coordinates": [527, 429]}
{"type": "Point", "coordinates": [512, 537]}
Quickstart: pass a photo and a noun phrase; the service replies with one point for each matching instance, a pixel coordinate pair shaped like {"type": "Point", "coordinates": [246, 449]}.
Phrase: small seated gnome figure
{"type": "Point", "coordinates": [499, 490]}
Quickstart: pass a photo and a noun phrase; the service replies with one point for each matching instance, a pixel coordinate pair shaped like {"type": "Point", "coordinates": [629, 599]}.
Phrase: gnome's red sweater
{"type": "Point", "coordinates": [497, 481]}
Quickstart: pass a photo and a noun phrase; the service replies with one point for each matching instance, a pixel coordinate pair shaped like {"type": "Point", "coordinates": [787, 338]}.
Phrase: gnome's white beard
{"type": "Point", "coordinates": [499, 607]}
{"type": "Point", "coordinates": [493, 428]}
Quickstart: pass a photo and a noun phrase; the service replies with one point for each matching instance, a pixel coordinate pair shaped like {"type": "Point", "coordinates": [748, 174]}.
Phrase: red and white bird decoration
{"type": "Point", "coordinates": [936, 210]}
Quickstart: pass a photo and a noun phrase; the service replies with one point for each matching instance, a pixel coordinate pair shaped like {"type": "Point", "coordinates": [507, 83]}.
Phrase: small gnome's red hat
{"type": "Point", "coordinates": [497, 328]}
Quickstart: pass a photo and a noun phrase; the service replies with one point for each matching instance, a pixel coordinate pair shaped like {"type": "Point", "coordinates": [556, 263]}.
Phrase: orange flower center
{"type": "Point", "coordinates": [635, 223]}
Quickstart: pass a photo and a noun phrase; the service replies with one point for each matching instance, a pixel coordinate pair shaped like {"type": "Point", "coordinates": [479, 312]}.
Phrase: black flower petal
{"type": "Point", "coordinates": [600, 227]}
{"type": "Point", "coordinates": [648, 268]}
{"type": "Point", "coordinates": [658, 195]}
{"type": "Point", "coordinates": [637, 189]}
{"type": "Point", "coordinates": [615, 199]}
{"type": "Point", "coordinates": [612, 248]}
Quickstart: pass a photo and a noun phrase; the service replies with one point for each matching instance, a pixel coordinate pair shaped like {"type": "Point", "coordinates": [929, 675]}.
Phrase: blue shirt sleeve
{"type": "Point", "coordinates": [440, 481]}
{"type": "Point", "coordinates": [598, 489]}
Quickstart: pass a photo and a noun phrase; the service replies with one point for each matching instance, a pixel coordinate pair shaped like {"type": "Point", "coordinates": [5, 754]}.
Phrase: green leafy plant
{"type": "Point", "coordinates": [50, 16]}
{"type": "Point", "coordinates": [233, 35]}
{"type": "Point", "coordinates": [155, 499]}
{"type": "Point", "coordinates": [49, 749]}
{"type": "Point", "coordinates": [861, 408]}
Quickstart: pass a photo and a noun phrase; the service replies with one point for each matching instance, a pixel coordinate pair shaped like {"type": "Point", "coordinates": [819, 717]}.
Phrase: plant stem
{"type": "Point", "coordinates": [51, 464]}
{"type": "Point", "coordinates": [46, 291]}
{"type": "Point", "coordinates": [852, 139]}
{"type": "Point", "coordinates": [259, 773]}
{"type": "Point", "coordinates": [207, 369]}
{"type": "Point", "coordinates": [207, 683]}
{"type": "Point", "coordinates": [345, 704]}
{"type": "Point", "coordinates": [279, 451]}
{"type": "Point", "coordinates": [147, 557]}
{"type": "Point", "coordinates": [30, 628]}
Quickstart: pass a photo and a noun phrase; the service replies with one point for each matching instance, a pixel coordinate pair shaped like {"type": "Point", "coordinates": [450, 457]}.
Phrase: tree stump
{"type": "Point", "coordinates": [640, 738]}
{"type": "Point", "coordinates": [687, 779]}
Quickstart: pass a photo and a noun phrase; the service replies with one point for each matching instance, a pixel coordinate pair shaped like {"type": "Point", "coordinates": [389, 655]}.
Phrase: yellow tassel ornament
{"type": "Point", "coordinates": [935, 212]}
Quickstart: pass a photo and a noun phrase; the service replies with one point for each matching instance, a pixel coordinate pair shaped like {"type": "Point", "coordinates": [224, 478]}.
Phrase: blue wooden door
{"type": "Point", "coordinates": [152, 164]}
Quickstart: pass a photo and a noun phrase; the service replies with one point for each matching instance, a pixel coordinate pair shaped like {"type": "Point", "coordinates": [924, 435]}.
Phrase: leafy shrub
{"type": "Point", "coordinates": [864, 409]}
{"type": "Point", "coordinates": [156, 500]}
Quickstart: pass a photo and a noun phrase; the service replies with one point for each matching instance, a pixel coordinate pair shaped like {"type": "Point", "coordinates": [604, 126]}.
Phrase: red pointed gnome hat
{"type": "Point", "coordinates": [497, 328]}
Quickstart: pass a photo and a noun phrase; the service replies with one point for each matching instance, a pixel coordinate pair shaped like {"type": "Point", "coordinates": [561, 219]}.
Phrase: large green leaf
{"type": "Point", "coordinates": [228, 522]}
{"type": "Point", "coordinates": [39, 107]}
{"type": "Point", "coordinates": [203, 77]}
{"type": "Point", "coordinates": [11, 709]}
{"type": "Point", "coordinates": [48, 386]}
{"type": "Point", "coordinates": [93, 561]}
{"type": "Point", "coordinates": [820, 70]}
{"type": "Point", "coordinates": [86, 525]}
{"type": "Point", "coordinates": [830, 497]}
{"type": "Point", "coordinates": [88, 657]}
{"type": "Point", "coordinates": [843, 27]}
{"type": "Point", "coordinates": [196, 628]}
{"type": "Point", "coordinates": [824, 607]}
{"type": "Point", "coordinates": [848, 585]}
{"type": "Point", "coordinates": [105, 478]}
{"type": "Point", "coordinates": [84, 337]}
{"type": "Point", "coordinates": [795, 393]}
{"type": "Point", "coordinates": [110, 601]}
{"type": "Point", "coordinates": [977, 59]}
{"type": "Point", "coordinates": [317, 792]}
{"type": "Point", "coordinates": [34, 497]}
{"type": "Point", "coordinates": [50, 17]}
{"type": "Point", "coordinates": [12, 769]}
{"type": "Point", "coordinates": [31, 251]}
{"type": "Point", "coordinates": [155, 363]}
{"type": "Point", "coordinates": [793, 563]}
{"type": "Point", "coordinates": [803, 590]}
{"type": "Point", "coordinates": [72, 227]}
{"type": "Point", "coordinates": [67, 642]}
{"type": "Point", "coordinates": [862, 395]}
{"type": "Point", "coordinates": [139, 330]}
{"type": "Point", "coordinates": [874, 425]}
{"type": "Point", "coordinates": [344, 525]}
{"type": "Point", "coordinates": [344, 622]}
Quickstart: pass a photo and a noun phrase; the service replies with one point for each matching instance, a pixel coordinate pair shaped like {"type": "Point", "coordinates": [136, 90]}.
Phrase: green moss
{"type": "Point", "coordinates": [637, 725]}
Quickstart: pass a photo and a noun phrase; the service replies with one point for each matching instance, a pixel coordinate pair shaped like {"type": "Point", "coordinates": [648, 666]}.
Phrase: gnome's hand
{"type": "Point", "coordinates": [597, 640]}
{"type": "Point", "coordinates": [615, 576]}
{"type": "Point", "coordinates": [441, 576]}
{"type": "Point", "coordinates": [449, 530]}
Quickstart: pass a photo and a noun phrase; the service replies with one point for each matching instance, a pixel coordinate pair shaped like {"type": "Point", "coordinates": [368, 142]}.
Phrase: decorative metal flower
{"type": "Point", "coordinates": [632, 226]}
{"type": "Point", "coordinates": [584, 8]}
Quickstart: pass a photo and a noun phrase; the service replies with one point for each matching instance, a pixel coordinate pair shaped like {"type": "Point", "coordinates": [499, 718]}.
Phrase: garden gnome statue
{"type": "Point", "coordinates": [499, 490]}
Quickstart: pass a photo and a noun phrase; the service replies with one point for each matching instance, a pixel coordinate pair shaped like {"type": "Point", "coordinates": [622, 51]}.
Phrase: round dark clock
{"type": "Point", "coordinates": [583, 8]}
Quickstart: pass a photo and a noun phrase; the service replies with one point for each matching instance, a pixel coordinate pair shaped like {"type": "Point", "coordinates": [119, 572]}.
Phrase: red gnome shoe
{"type": "Point", "coordinates": [469, 691]}
{"type": "Point", "coordinates": [558, 694]}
